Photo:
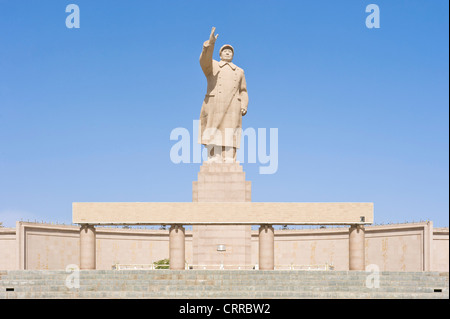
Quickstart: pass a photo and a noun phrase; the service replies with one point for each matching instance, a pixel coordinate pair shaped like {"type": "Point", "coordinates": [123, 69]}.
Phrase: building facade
{"type": "Point", "coordinates": [398, 247]}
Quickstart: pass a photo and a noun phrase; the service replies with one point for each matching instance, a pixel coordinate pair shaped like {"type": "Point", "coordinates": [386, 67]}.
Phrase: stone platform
{"type": "Point", "coordinates": [221, 184]}
{"type": "Point", "coordinates": [204, 284]}
{"type": "Point", "coordinates": [222, 214]}
{"type": "Point", "coordinates": [222, 196]}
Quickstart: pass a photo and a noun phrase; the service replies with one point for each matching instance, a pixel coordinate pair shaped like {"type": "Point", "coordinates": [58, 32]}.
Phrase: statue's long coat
{"type": "Point", "coordinates": [226, 95]}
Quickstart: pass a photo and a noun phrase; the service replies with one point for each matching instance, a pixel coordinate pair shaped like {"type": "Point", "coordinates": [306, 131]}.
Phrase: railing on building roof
{"type": "Point", "coordinates": [325, 266]}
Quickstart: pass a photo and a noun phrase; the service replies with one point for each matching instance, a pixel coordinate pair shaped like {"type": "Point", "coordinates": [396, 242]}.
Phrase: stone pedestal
{"type": "Point", "coordinates": [221, 182]}
{"type": "Point", "coordinates": [266, 248]}
{"type": "Point", "coordinates": [87, 247]}
{"type": "Point", "coordinates": [177, 247]}
{"type": "Point", "coordinates": [357, 247]}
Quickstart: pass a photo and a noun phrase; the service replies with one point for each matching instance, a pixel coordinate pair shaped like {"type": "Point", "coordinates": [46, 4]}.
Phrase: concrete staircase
{"type": "Point", "coordinates": [241, 284]}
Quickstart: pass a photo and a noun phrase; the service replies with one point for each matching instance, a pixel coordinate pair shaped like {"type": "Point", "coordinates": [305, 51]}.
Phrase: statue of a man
{"type": "Point", "coordinates": [225, 103]}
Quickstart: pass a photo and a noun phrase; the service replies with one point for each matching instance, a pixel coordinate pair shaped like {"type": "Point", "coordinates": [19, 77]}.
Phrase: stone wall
{"type": "Point", "coordinates": [440, 252]}
{"type": "Point", "coordinates": [134, 246]}
{"type": "Point", "coordinates": [8, 248]}
{"type": "Point", "coordinates": [401, 247]}
{"type": "Point", "coordinates": [309, 247]}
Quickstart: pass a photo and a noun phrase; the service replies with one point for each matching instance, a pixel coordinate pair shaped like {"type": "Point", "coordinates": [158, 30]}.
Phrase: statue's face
{"type": "Point", "coordinates": [226, 55]}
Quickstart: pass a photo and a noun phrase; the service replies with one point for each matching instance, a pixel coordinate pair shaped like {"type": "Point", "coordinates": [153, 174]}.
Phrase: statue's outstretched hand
{"type": "Point", "coordinates": [212, 37]}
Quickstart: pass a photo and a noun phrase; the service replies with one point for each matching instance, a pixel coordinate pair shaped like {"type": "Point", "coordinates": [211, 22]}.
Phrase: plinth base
{"type": "Point", "coordinates": [221, 182]}
{"type": "Point", "coordinates": [218, 246]}
{"type": "Point", "coordinates": [221, 247]}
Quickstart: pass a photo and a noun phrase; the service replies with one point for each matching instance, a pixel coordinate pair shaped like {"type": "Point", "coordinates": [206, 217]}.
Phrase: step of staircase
{"type": "Point", "coordinates": [240, 284]}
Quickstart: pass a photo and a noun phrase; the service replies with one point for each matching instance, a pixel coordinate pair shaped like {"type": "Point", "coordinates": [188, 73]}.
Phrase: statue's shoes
{"type": "Point", "coordinates": [214, 160]}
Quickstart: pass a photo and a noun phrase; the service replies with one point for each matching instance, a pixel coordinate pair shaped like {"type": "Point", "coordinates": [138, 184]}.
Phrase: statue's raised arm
{"type": "Point", "coordinates": [212, 37]}
{"type": "Point", "coordinates": [207, 52]}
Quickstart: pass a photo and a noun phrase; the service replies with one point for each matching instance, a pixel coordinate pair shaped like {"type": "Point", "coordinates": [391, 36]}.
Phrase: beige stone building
{"type": "Point", "coordinates": [400, 247]}
{"type": "Point", "coordinates": [218, 234]}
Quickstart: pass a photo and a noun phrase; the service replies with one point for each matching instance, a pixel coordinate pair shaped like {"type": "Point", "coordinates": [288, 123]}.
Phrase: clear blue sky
{"type": "Point", "coordinates": [362, 114]}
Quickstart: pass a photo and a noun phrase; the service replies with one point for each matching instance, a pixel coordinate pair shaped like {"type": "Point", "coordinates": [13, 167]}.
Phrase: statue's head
{"type": "Point", "coordinates": [226, 53]}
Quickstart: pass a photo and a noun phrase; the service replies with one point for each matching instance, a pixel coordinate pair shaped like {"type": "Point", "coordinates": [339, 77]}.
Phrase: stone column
{"type": "Point", "coordinates": [87, 247]}
{"type": "Point", "coordinates": [266, 247]}
{"type": "Point", "coordinates": [357, 247]}
{"type": "Point", "coordinates": [176, 247]}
